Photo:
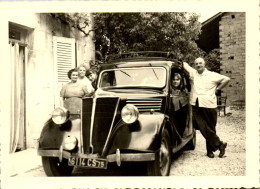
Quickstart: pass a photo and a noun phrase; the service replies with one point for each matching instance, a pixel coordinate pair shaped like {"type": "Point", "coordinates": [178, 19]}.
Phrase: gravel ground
{"type": "Point", "coordinates": [231, 129]}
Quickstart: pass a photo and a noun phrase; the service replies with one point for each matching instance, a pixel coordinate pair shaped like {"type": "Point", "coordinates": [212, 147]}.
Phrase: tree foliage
{"type": "Point", "coordinates": [212, 60]}
{"type": "Point", "coordinates": [76, 20]}
{"type": "Point", "coordinates": [125, 32]}
{"type": "Point", "coordinates": [174, 32]}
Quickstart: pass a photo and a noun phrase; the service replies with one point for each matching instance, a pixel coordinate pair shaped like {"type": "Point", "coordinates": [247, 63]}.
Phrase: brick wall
{"type": "Point", "coordinates": [232, 49]}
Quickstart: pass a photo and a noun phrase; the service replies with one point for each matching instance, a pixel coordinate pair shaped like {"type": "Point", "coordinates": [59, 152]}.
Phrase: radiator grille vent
{"type": "Point", "coordinates": [146, 104]}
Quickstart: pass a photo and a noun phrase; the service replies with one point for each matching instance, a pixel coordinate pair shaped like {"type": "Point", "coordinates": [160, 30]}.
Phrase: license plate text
{"type": "Point", "coordinates": [88, 162]}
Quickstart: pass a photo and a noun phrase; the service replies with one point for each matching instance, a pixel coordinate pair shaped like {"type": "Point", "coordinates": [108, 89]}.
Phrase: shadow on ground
{"type": "Point", "coordinates": [126, 169]}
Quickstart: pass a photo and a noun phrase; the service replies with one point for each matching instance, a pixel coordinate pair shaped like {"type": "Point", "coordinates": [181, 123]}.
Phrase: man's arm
{"type": "Point", "coordinates": [223, 83]}
{"type": "Point", "coordinates": [187, 67]}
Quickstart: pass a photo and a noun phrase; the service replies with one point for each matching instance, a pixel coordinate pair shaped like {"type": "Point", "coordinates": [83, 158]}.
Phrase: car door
{"type": "Point", "coordinates": [180, 110]}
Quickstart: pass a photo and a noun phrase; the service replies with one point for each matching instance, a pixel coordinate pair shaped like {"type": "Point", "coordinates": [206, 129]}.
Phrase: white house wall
{"type": "Point", "coordinates": [40, 68]}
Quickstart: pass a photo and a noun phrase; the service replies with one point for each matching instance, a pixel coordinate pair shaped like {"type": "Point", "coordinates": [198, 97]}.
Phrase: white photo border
{"type": "Point", "coordinates": [251, 8]}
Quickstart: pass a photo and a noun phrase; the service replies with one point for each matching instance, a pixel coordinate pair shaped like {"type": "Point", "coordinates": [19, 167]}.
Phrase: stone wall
{"type": "Point", "coordinates": [232, 49]}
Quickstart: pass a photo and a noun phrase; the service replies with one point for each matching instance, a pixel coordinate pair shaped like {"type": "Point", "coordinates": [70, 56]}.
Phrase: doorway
{"type": "Point", "coordinates": [18, 89]}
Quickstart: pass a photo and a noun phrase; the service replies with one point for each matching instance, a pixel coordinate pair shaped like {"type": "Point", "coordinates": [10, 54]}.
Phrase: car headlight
{"type": "Point", "coordinates": [60, 115]}
{"type": "Point", "coordinates": [70, 142]}
{"type": "Point", "coordinates": [129, 113]}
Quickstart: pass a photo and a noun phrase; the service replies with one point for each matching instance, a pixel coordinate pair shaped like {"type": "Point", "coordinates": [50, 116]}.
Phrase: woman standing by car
{"type": "Point", "coordinates": [92, 76]}
{"type": "Point", "coordinates": [73, 88]}
{"type": "Point", "coordinates": [84, 80]}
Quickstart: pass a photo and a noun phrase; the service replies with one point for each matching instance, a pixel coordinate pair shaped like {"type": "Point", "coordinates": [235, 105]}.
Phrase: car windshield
{"type": "Point", "coordinates": [152, 77]}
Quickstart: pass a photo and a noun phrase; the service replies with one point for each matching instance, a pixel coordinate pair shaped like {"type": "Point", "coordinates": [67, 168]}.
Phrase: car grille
{"type": "Point", "coordinates": [97, 123]}
{"type": "Point", "coordinates": [146, 104]}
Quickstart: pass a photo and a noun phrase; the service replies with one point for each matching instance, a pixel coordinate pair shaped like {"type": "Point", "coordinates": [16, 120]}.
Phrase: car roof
{"type": "Point", "coordinates": [146, 63]}
{"type": "Point", "coordinates": [140, 59]}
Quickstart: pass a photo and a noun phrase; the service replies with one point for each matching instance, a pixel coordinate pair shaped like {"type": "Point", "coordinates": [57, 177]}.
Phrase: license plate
{"type": "Point", "coordinates": [88, 162]}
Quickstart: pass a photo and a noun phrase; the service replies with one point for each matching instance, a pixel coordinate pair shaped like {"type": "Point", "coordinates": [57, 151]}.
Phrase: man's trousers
{"type": "Point", "coordinates": [205, 119]}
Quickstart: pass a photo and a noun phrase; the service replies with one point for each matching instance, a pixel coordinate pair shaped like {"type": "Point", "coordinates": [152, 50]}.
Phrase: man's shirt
{"type": "Point", "coordinates": [203, 87]}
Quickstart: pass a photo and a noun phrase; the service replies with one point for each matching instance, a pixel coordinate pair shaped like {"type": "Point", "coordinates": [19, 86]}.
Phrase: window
{"type": "Point", "coordinates": [64, 60]}
{"type": "Point", "coordinates": [14, 34]}
{"type": "Point", "coordinates": [148, 77]}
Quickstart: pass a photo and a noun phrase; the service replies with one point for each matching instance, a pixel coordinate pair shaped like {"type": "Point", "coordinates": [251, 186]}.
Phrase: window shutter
{"type": "Point", "coordinates": [64, 60]}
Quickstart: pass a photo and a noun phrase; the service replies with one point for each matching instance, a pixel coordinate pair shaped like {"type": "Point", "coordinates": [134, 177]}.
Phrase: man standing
{"type": "Point", "coordinates": [204, 85]}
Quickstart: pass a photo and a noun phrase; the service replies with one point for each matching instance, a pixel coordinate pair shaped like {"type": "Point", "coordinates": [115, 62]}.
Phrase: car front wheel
{"type": "Point", "coordinates": [162, 164]}
{"type": "Point", "coordinates": [53, 167]}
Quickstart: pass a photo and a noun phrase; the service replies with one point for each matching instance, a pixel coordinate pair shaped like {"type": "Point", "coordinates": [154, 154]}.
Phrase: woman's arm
{"type": "Point", "coordinates": [61, 101]}
{"type": "Point", "coordinates": [62, 95]}
{"type": "Point", "coordinates": [87, 92]}
{"type": "Point", "coordinates": [90, 88]}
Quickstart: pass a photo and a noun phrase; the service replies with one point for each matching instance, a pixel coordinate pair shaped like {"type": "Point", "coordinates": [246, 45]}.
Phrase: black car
{"type": "Point", "coordinates": [132, 117]}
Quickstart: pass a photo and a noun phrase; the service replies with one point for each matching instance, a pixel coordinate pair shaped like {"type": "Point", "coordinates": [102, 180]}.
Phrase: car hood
{"type": "Point", "coordinates": [126, 93]}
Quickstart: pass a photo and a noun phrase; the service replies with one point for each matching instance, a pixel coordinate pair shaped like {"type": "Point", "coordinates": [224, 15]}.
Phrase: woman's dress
{"type": "Point", "coordinates": [73, 90]}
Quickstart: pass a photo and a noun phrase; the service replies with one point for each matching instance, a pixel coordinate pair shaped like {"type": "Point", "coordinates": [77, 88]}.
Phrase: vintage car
{"type": "Point", "coordinates": [132, 117]}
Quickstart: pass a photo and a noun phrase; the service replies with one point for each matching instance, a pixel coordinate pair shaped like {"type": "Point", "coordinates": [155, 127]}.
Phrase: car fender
{"type": "Point", "coordinates": [53, 135]}
{"type": "Point", "coordinates": [142, 135]}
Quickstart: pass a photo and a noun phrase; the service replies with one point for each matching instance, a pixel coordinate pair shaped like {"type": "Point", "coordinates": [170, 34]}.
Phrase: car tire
{"type": "Point", "coordinates": [192, 143]}
{"type": "Point", "coordinates": [52, 167]}
{"type": "Point", "coordinates": [162, 164]}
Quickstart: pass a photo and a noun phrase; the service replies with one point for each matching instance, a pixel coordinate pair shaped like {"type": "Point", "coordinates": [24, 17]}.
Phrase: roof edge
{"type": "Point", "coordinates": [212, 18]}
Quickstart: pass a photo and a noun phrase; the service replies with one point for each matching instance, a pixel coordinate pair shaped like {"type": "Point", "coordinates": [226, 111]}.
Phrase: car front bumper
{"type": "Point", "coordinates": [117, 157]}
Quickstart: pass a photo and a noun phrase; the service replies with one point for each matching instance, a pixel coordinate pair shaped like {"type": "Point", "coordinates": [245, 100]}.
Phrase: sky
{"type": "Point", "coordinates": [206, 15]}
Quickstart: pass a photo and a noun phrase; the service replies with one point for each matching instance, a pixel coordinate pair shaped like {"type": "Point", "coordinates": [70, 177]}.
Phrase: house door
{"type": "Point", "coordinates": [17, 131]}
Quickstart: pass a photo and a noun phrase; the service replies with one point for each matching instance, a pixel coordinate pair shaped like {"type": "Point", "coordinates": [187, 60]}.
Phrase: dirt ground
{"type": "Point", "coordinates": [231, 129]}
